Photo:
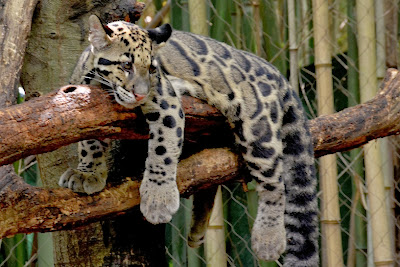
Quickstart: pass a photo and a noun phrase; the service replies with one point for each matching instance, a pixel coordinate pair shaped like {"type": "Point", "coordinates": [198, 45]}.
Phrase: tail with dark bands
{"type": "Point", "coordinates": [301, 212]}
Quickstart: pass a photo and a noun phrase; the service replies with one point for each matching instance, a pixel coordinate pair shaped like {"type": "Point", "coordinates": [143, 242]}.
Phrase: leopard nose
{"type": "Point", "coordinates": [139, 97]}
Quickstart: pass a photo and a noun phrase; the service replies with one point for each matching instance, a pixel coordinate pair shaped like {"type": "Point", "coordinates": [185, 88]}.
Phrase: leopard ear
{"type": "Point", "coordinates": [160, 34]}
{"type": "Point", "coordinates": [98, 36]}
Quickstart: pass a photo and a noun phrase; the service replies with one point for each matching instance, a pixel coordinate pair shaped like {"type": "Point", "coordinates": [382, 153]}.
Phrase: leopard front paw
{"type": "Point", "coordinates": [268, 241]}
{"type": "Point", "coordinates": [82, 182]}
{"type": "Point", "coordinates": [159, 201]}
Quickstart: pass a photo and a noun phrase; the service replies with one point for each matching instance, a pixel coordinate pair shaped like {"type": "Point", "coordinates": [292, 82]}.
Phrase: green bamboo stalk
{"type": "Point", "coordinates": [179, 16]}
{"type": "Point", "coordinates": [273, 44]}
{"type": "Point", "coordinates": [175, 236]}
{"type": "Point", "coordinates": [158, 4]}
{"type": "Point", "coordinates": [359, 240]}
{"type": "Point", "coordinates": [237, 24]}
{"type": "Point", "coordinates": [221, 20]}
{"type": "Point", "coordinates": [15, 250]}
{"type": "Point", "coordinates": [248, 40]}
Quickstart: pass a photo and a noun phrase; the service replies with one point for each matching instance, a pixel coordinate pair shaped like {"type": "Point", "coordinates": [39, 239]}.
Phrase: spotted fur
{"type": "Point", "coordinates": [152, 69]}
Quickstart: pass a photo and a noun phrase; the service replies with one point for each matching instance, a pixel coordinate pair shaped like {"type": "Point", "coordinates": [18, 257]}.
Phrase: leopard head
{"type": "Point", "coordinates": [123, 57]}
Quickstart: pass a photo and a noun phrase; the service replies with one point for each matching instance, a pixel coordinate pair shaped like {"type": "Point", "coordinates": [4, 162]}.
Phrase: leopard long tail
{"type": "Point", "coordinates": [301, 212]}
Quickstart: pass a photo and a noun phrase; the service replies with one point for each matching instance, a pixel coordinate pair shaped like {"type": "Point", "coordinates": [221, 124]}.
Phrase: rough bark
{"type": "Point", "coordinates": [391, 25]}
{"type": "Point", "coordinates": [76, 113]}
{"type": "Point", "coordinates": [15, 26]}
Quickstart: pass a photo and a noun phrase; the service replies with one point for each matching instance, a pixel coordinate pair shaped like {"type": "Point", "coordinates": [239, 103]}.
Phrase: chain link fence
{"type": "Point", "coordinates": [262, 27]}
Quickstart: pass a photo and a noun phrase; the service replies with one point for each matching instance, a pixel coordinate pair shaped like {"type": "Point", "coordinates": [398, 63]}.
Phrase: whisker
{"type": "Point", "coordinates": [100, 79]}
{"type": "Point", "coordinates": [97, 75]}
{"type": "Point", "coordinates": [105, 82]}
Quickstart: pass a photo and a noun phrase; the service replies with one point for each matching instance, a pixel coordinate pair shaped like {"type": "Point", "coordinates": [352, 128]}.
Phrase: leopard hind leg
{"type": "Point", "coordinates": [262, 150]}
{"type": "Point", "coordinates": [203, 202]}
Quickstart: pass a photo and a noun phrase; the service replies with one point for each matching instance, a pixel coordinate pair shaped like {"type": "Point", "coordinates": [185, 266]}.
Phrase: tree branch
{"type": "Point", "coordinates": [75, 113]}
{"type": "Point", "coordinates": [25, 209]}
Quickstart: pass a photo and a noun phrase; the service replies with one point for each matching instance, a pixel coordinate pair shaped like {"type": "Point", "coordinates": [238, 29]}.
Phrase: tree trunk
{"type": "Point", "coordinates": [59, 35]}
{"type": "Point", "coordinates": [15, 25]}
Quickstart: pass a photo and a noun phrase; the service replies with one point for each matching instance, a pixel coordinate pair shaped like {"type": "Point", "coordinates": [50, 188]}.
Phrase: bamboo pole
{"type": "Point", "coordinates": [358, 238]}
{"type": "Point", "coordinates": [380, 41]}
{"type": "Point", "coordinates": [293, 47]}
{"type": "Point", "coordinates": [215, 249]}
{"type": "Point", "coordinates": [222, 20]}
{"type": "Point", "coordinates": [198, 16]}
{"type": "Point", "coordinates": [306, 48]}
{"type": "Point", "coordinates": [257, 26]}
{"type": "Point", "coordinates": [215, 235]}
{"type": "Point", "coordinates": [374, 177]}
{"type": "Point", "coordinates": [384, 144]}
{"type": "Point", "coordinates": [248, 33]}
{"type": "Point", "coordinates": [391, 53]}
{"type": "Point", "coordinates": [330, 215]}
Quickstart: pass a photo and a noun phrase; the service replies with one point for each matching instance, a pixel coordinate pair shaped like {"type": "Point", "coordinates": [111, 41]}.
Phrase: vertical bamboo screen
{"type": "Point", "coordinates": [360, 207]}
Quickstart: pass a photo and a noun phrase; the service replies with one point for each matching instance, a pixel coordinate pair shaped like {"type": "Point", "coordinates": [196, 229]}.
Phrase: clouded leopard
{"type": "Point", "coordinates": [151, 69]}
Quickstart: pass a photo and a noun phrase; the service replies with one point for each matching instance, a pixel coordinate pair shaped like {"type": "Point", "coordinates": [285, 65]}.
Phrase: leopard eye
{"type": "Point", "coordinates": [152, 69]}
{"type": "Point", "coordinates": [126, 65]}
{"type": "Point", "coordinates": [153, 66]}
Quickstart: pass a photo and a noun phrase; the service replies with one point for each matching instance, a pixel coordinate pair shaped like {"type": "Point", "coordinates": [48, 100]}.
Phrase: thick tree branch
{"type": "Point", "coordinates": [56, 209]}
{"type": "Point", "coordinates": [75, 113]}
{"type": "Point", "coordinates": [356, 126]}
